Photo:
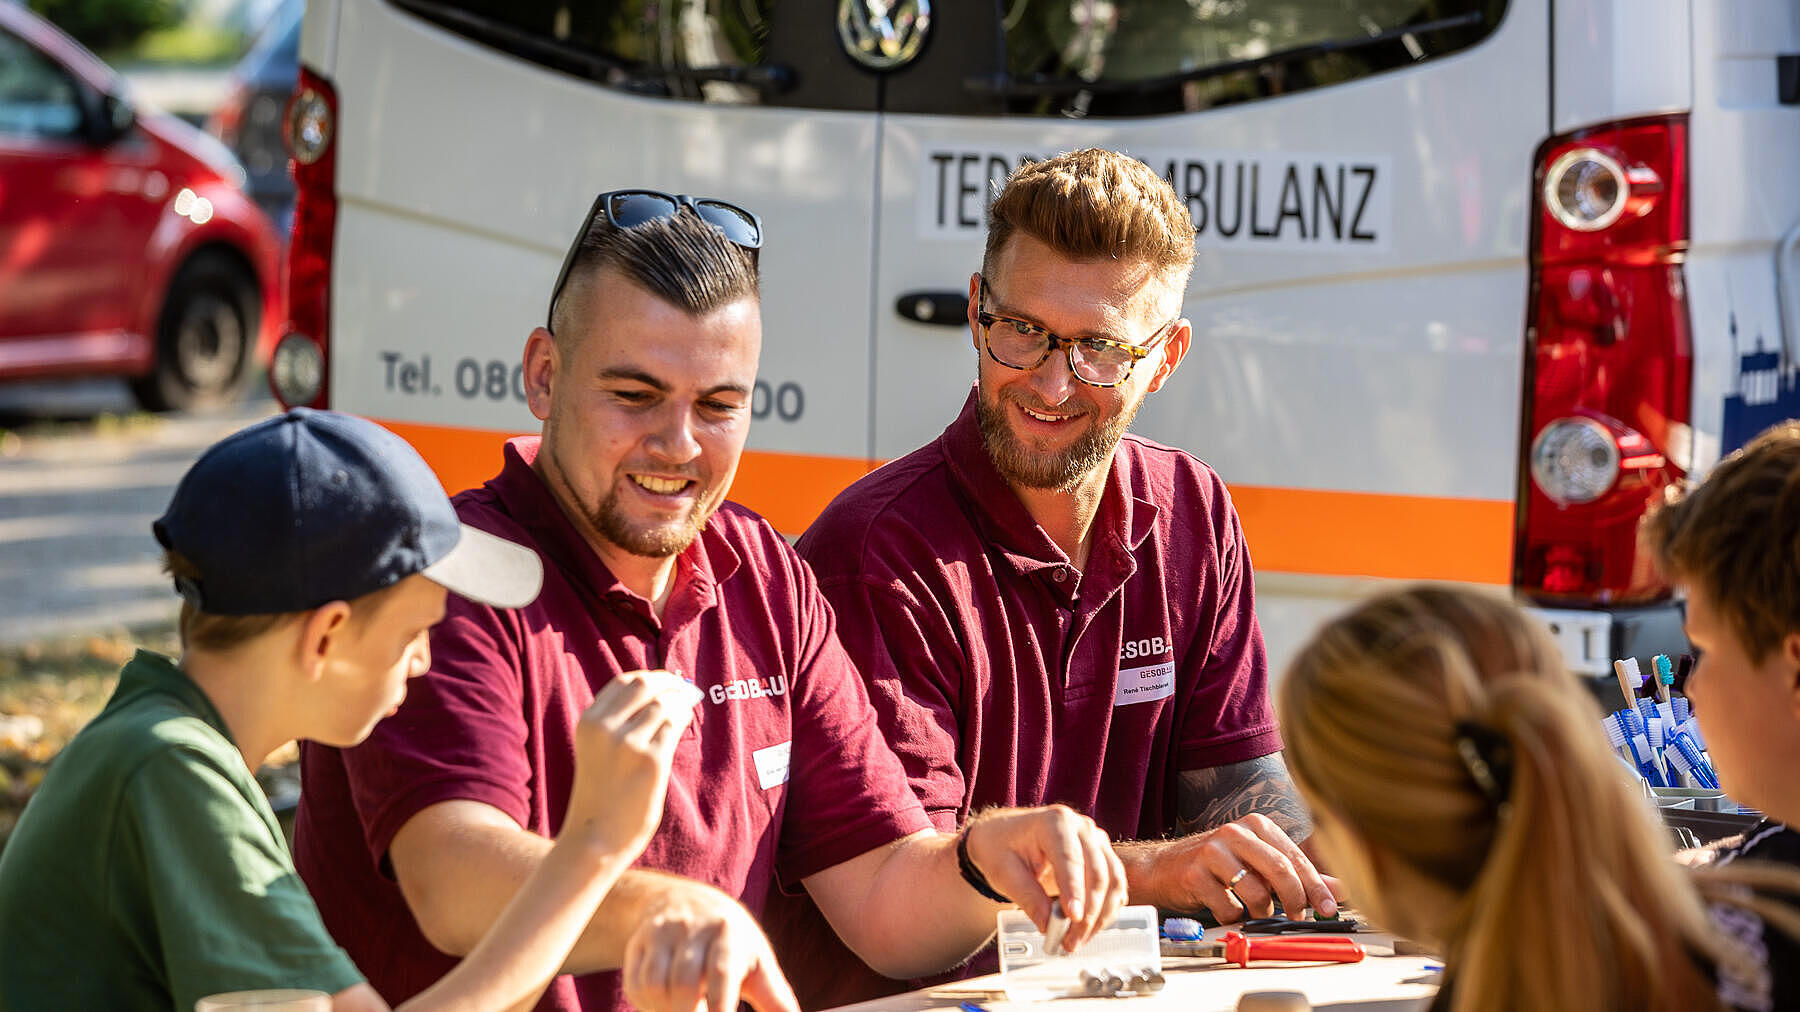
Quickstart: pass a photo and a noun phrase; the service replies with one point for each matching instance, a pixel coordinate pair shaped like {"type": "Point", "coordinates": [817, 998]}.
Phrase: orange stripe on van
{"type": "Point", "coordinates": [789, 489]}
{"type": "Point", "coordinates": [792, 489]}
{"type": "Point", "coordinates": [462, 458]}
{"type": "Point", "coordinates": [1289, 530]}
{"type": "Point", "coordinates": [1296, 530]}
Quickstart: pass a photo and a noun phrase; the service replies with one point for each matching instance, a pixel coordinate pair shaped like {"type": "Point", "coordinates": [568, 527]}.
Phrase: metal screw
{"type": "Point", "coordinates": [1146, 981]}
{"type": "Point", "coordinates": [1091, 984]}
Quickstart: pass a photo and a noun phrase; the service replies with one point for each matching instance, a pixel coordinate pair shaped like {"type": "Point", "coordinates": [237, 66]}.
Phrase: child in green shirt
{"type": "Point", "coordinates": [313, 552]}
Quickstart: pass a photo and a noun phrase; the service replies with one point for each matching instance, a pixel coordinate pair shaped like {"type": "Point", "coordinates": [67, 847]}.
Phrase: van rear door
{"type": "Point", "coordinates": [437, 279]}
{"type": "Point", "coordinates": [1363, 209]}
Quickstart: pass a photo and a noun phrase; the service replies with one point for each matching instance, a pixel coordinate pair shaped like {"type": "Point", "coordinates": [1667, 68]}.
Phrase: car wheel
{"type": "Point", "coordinates": [205, 338]}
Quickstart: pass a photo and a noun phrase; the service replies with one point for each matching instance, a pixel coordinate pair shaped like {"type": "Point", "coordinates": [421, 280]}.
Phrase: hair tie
{"type": "Point", "coordinates": [1488, 755]}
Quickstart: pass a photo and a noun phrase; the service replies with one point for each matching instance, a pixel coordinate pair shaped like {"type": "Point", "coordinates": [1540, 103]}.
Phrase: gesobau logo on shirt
{"type": "Point", "coordinates": [749, 688]}
{"type": "Point", "coordinates": [1155, 646]}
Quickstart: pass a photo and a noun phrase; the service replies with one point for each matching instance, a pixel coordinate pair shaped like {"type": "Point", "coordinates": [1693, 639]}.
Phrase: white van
{"type": "Point", "coordinates": [1477, 279]}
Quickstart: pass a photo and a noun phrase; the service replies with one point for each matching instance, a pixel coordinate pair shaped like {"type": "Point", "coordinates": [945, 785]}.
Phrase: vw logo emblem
{"type": "Point", "coordinates": [883, 34]}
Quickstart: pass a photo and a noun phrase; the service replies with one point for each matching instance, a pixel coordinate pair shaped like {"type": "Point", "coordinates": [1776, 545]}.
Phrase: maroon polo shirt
{"type": "Point", "coordinates": [1004, 676]}
{"type": "Point", "coordinates": [782, 774]}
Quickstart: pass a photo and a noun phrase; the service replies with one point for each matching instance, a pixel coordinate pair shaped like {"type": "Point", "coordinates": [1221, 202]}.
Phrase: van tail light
{"type": "Point", "coordinates": [298, 370]}
{"type": "Point", "coordinates": [1609, 359]}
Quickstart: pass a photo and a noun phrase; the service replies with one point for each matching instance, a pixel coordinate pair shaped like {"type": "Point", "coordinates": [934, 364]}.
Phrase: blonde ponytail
{"type": "Point", "coordinates": [1577, 904]}
{"type": "Point", "coordinates": [1441, 727]}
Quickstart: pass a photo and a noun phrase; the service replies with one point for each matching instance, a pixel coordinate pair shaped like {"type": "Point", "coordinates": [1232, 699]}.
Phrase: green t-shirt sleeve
{"type": "Point", "coordinates": [217, 899]}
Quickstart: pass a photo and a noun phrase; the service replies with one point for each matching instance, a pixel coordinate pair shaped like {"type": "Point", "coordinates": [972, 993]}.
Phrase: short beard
{"type": "Point", "coordinates": [608, 520]}
{"type": "Point", "coordinates": [657, 542]}
{"type": "Point", "coordinates": [1024, 467]}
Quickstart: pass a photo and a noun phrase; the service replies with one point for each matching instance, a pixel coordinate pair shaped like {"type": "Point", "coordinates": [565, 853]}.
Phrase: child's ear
{"type": "Point", "coordinates": [320, 634]}
{"type": "Point", "coordinates": [1790, 657]}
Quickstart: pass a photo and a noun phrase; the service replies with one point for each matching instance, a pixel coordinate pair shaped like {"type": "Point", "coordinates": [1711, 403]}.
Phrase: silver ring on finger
{"type": "Point", "coordinates": [1231, 883]}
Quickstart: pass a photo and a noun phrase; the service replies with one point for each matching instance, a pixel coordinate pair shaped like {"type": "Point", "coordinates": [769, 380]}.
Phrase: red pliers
{"type": "Point", "coordinates": [1236, 948]}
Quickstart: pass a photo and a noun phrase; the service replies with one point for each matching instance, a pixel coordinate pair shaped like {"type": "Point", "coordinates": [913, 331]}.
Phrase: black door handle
{"type": "Point", "coordinates": [941, 309]}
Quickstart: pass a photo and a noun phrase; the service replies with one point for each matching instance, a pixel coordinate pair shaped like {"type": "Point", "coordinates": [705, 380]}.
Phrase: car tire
{"type": "Point", "coordinates": [206, 337]}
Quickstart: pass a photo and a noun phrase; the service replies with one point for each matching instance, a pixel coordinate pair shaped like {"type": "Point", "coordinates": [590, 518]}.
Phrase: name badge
{"type": "Point", "coordinates": [1145, 685]}
{"type": "Point", "coordinates": [772, 764]}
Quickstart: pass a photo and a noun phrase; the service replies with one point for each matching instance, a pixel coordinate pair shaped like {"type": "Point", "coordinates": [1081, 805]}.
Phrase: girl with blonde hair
{"type": "Point", "coordinates": [1463, 790]}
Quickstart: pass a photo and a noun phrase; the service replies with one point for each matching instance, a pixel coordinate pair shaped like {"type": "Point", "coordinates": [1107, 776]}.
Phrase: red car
{"type": "Point", "coordinates": [127, 245]}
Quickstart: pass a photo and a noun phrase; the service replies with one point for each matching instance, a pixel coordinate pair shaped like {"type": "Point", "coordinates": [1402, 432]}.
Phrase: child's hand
{"type": "Point", "coordinates": [624, 745]}
{"type": "Point", "coordinates": [700, 951]}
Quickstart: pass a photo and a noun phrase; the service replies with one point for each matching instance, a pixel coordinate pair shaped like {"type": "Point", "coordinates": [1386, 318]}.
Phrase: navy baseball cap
{"type": "Point", "coordinates": [315, 506]}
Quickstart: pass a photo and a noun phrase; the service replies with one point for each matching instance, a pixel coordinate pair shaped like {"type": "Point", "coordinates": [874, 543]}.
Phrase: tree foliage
{"type": "Point", "coordinates": [109, 24]}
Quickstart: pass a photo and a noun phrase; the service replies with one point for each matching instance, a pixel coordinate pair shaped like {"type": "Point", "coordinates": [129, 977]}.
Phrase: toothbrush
{"type": "Point", "coordinates": [1678, 762]}
{"type": "Point", "coordinates": [1683, 756]}
{"type": "Point", "coordinates": [1618, 731]}
{"type": "Point", "coordinates": [1629, 678]}
{"type": "Point", "coordinates": [1691, 728]}
{"type": "Point", "coordinates": [1682, 670]}
{"type": "Point", "coordinates": [1703, 770]}
{"type": "Point", "coordinates": [1629, 768]}
{"type": "Point", "coordinates": [1615, 736]}
{"type": "Point", "coordinates": [1653, 730]}
{"type": "Point", "coordinates": [1665, 677]}
{"type": "Point", "coordinates": [1182, 929]}
{"type": "Point", "coordinates": [1632, 723]}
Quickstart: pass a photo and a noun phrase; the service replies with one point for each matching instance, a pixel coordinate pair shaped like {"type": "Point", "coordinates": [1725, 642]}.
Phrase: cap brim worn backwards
{"type": "Point", "coordinates": [489, 570]}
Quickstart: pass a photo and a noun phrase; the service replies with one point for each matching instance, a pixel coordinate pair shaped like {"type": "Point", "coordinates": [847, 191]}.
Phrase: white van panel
{"type": "Point", "coordinates": [1289, 608]}
{"type": "Point", "coordinates": [1787, 272]}
{"type": "Point", "coordinates": [1732, 299]}
{"type": "Point", "coordinates": [1300, 377]}
{"type": "Point", "coordinates": [1744, 146]}
{"type": "Point", "coordinates": [318, 36]}
{"type": "Point", "coordinates": [407, 222]}
{"type": "Point", "coordinates": [390, 275]}
{"type": "Point", "coordinates": [1323, 388]}
{"type": "Point", "coordinates": [1620, 58]}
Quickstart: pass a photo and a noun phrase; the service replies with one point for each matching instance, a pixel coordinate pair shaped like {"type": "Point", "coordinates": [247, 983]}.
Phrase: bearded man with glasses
{"type": "Point", "coordinates": [1045, 608]}
{"type": "Point", "coordinates": [415, 841]}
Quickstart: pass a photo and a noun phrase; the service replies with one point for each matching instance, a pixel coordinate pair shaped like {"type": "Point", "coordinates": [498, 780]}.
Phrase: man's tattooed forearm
{"type": "Point", "coordinates": [1213, 797]}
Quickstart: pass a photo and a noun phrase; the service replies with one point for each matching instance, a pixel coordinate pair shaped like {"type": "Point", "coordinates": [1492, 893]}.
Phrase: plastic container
{"type": "Point", "coordinates": [1128, 945]}
{"type": "Point", "coordinates": [1704, 799]}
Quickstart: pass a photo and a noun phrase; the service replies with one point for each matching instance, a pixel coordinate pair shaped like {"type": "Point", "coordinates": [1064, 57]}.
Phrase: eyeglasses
{"type": "Point", "coordinates": [1096, 361]}
{"type": "Point", "coordinates": [624, 209]}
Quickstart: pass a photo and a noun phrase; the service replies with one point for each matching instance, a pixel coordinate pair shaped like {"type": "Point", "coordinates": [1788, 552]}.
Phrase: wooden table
{"type": "Point", "coordinates": [1382, 982]}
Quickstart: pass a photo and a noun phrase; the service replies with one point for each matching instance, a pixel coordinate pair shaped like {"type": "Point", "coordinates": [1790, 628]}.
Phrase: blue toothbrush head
{"type": "Point", "coordinates": [1615, 733]}
{"type": "Point", "coordinates": [1182, 928]}
{"type": "Point", "coordinates": [1665, 671]}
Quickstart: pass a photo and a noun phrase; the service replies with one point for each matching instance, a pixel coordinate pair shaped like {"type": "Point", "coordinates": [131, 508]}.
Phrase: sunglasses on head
{"type": "Point", "coordinates": [624, 209]}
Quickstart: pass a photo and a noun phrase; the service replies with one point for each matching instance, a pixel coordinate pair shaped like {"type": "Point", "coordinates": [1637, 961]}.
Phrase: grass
{"type": "Point", "coordinates": [50, 690]}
